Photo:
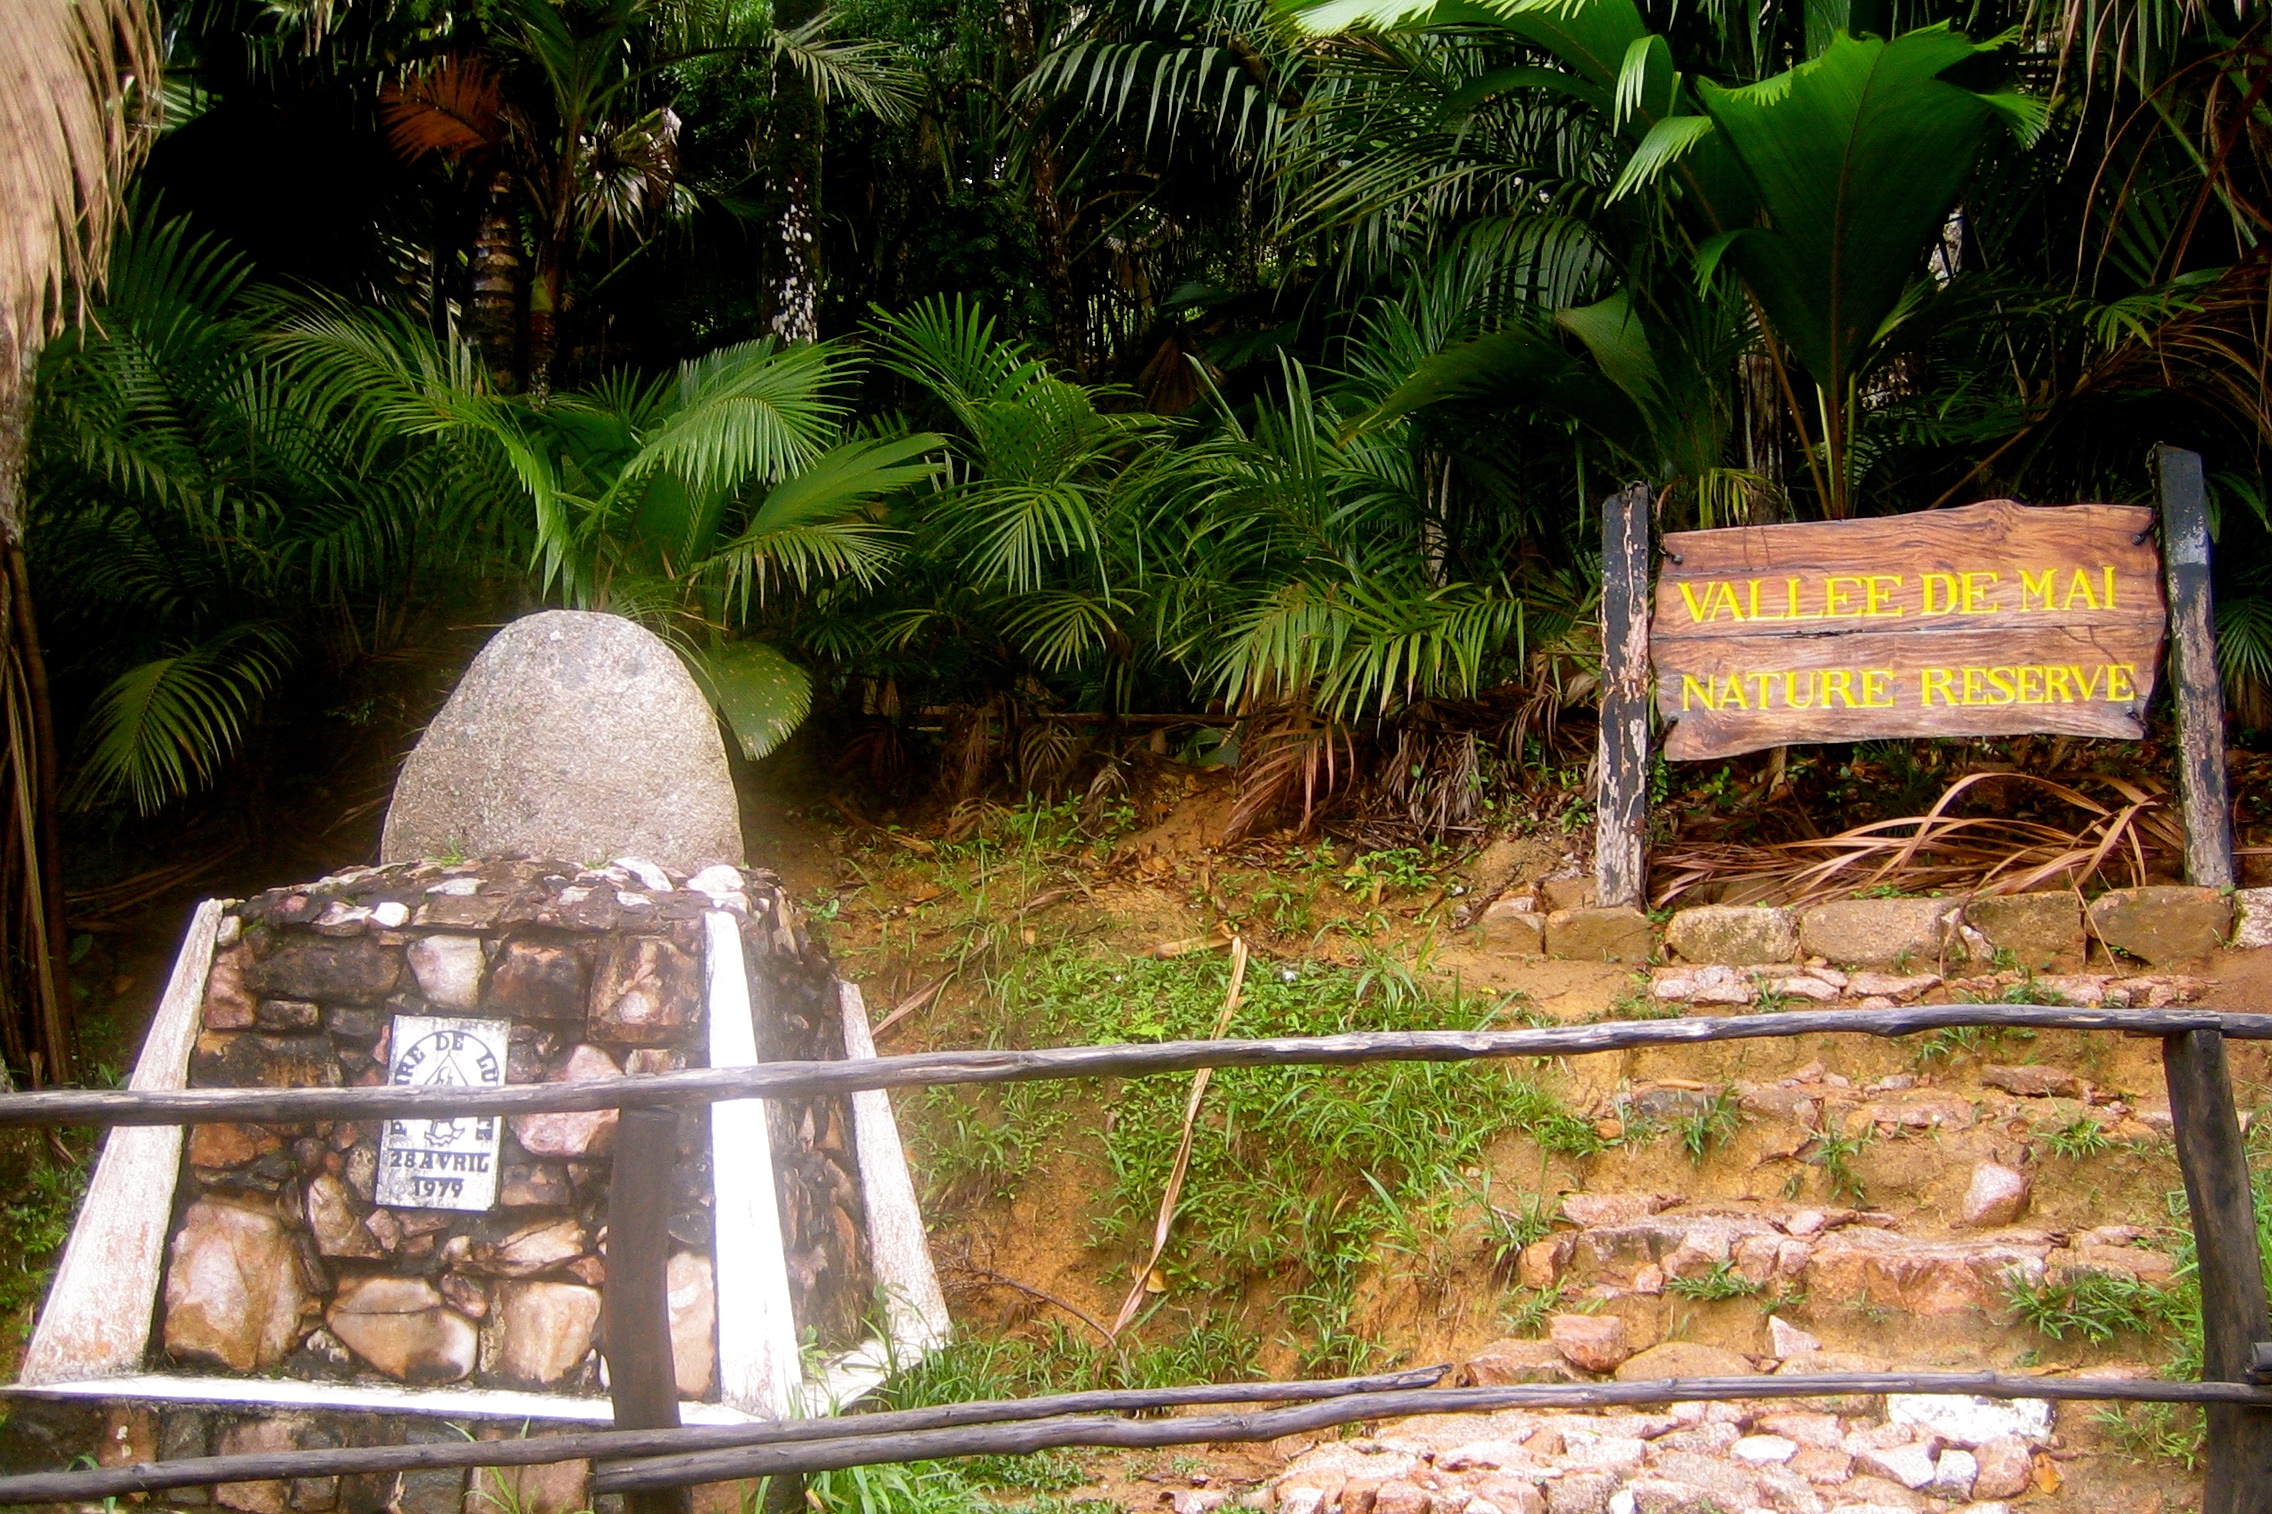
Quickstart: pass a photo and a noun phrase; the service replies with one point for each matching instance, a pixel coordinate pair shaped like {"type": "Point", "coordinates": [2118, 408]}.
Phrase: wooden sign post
{"type": "Point", "coordinates": [1621, 858]}
{"type": "Point", "coordinates": [1989, 620]}
{"type": "Point", "coordinates": [2201, 782]}
{"type": "Point", "coordinates": [1994, 619]}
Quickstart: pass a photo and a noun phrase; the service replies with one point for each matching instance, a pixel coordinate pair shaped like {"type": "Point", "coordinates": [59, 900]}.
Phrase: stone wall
{"type": "Point", "coordinates": [281, 1258]}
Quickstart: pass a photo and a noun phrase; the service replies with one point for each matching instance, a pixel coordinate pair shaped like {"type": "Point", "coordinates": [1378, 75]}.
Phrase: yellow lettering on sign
{"type": "Point", "coordinates": [2038, 585]}
{"type": "Point", "coordinates": [1792, 683]}
{"type": "Point", "coordinates": [1881, 587]}
{"type": "Point", "coordinates": [1877, 689]}
{"type": "Point", "coordinates": [1834, 601]}
{"type": "Point", "coordinates": [2080, 584]}
{"type": "Point", "coordinates": [1943, 603]}
{"type": "Point", "coordinates": [2119, 685]}
{"type": "Point", "coordinates": [1838, 685]}
{"type": "Point", "coordinates": [1694, 690]}
{"type": "Point", "coordinates": [1695, 610]}
{"type": "Point", "coordinates": [1731, 694]}
{"type": "Point", "coordinates": [1936, 681]}
{"type": "Point", "coordinates": [2056, 689]}
{"type": "Point", "coordinates": [1976, 586]}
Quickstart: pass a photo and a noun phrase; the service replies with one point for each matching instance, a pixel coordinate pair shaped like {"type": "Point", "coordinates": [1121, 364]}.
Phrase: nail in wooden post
{"type": "Point", "coordinates": [1621, 858]}
{"type": "Point", "coordinates": [641, 1377]}
{"type": "Point", "coordinates": [2201, 783]}
{"type": "Point", "coordinates": [2214, 1160]}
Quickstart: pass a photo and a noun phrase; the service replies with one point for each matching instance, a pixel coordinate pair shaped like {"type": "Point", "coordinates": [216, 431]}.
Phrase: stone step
{"type": "Point", "coordinates": [1903, 1452]}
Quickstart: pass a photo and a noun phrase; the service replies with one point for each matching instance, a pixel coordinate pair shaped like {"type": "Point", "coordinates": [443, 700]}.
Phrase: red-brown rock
{"type": "Point", "coordinates": [401, 1326]}
{"type": "Point", "coordinates": [2007, 1466]}
{"type": "Point", "coordinates": [694, 1322]}
{"type": "Point", "coordinates": [544, 1330]}
{"type": "Point", "coordinates": [538, 980]}
{"type": "Point", "coordinates": [233, 1290]}
{"type": "Point", "coordinates": [229, 1003]}
{"type": "Point", "coordinates": [574, 1134]}
{"type": "Point", "coordinates": [1590, 1342]}
{"type": "Point", "coordinates": [645, 992]}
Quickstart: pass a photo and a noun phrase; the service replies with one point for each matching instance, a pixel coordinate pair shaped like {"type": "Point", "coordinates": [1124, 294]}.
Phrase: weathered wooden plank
{"type": "Point", "coordinates": [1370, 1397]}
{"type": "Point", "coordinates": [2213, 1157]}
{"type": "Point", "coordinates": [759, 1367]}
{"type": "Point", "coordinates": [1270, 1424]}
{"type": "Point", "coordinates": [96, 1322]}
{"type": "Point", "coordinates": [641, 1377]}
{"type": "Point", "coordinates": [1990, 619]}
{"type": "Point", "coordinates": [1621, 856]}
{"type": "Point", "coordinates": [2202, 784]}
{"type": "Point", "coordinates": [941, 1068]}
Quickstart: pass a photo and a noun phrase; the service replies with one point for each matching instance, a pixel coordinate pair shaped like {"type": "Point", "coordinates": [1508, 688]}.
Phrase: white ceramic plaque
{"type": "Point", "coordinates": [452, 1163]}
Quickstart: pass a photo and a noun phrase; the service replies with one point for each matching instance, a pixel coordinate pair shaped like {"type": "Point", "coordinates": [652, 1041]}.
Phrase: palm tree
{"type": "Point", "coordinates": [703, 503]}
{"type": "Point", "coordinates": [78, 79]}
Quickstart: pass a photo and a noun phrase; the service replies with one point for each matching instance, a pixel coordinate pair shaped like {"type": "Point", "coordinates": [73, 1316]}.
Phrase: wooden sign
{"type": "Point", "coordinates": [1989, 620]}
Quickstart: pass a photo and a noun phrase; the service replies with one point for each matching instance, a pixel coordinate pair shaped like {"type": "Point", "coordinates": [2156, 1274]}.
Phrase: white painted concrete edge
{"type": "Point", "coordinates": [99, 1310]}
{"type": "Point", "coordinates": [759, 1369]}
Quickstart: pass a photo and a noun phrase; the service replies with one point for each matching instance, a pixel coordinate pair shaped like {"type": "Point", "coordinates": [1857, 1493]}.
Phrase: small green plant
{"type": "Point", "coordinates": [1527, 1312]}
{"type": "Point", "coordinates": [1722, 1282]}
{"type": "Point", "coordinates": [1835, 1153]}
{"type": "Point", "coordinates": [2078, 1139]}
{"type": "Point", "coordinates": [1509, 1231]}
{"type": "Point", "coordinates": [1287, 900]}
{"type": "Point", "coordinates": [1569, 1135]}
{"type": "Point", "coordinates": [1402, 870]}
{"type": "Point", "coordinates": [2170, 1433]}
{"type": "Point", "coordinates": [2098, 1306]}
{"type": "Point", "coordinates": [1712, 1125]}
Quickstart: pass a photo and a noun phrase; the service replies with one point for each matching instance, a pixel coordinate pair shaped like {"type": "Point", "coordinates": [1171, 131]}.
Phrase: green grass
{"type": "Point", "coordinates": [1302, 1179]}
{"type": "Point", "coordinates": [35, 1217]}
{"type": "Point", "coordinates": [2078, 1139]}
{"type": "Point", "coordinates": [2099, 1306]}
{"type": "Point", "coordinates": [1709, 1127]}
{"type": "Point", "coordinates": [1835, 1153]}
{"type": "Point", "coordinates": [1722, 1282]}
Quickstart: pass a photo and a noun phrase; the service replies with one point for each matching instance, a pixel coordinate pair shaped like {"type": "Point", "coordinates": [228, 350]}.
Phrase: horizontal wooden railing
{"type": "Point", "coordinates": [649, 1458]}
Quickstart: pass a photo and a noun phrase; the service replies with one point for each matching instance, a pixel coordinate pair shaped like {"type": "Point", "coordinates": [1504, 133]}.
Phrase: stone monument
{"type": "Point", "coordinates": [572, 735]}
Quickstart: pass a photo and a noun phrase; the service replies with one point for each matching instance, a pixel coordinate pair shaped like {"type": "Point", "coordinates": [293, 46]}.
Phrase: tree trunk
{"type": "Point", "coordinates": [1069, 325]}
{"type": "Point", "coordinates": [36, 959]}
{"type": "Point", "coordinates": [793, 279]}
{"type": "Point", "coordinates": [1053, 226]}
{"type": "Point", "coordinates": [546, 291]}
{"type": "Point", "coordinates": [493, 316]}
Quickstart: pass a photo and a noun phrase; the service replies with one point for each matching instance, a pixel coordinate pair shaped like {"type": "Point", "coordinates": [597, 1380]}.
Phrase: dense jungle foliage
{"type": "Point", "coordinates": [960, 376]}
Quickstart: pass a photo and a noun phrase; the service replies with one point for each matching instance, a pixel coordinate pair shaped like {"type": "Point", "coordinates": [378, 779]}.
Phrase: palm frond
{"type": "Point", "coordinates": [161, 730]}
{"type": "Point", "coordinates": [78, 83]}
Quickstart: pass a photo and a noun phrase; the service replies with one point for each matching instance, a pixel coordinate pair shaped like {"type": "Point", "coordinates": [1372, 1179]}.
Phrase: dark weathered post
{"type": "Point", "coordinates": [2201, 783]}
{"type": "Point", "coordinates": [1621, 860]}
{"type": "Point", "coordinates": [2214, 1160]}
{"type": "Point", "coordinates": [641, 1377]}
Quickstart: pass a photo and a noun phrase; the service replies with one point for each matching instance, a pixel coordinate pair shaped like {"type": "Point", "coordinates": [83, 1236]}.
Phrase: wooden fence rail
{"type": "Point", "coordinates": [646, 1457]}
{"type": "Point", "coordinates": [772, 1080]}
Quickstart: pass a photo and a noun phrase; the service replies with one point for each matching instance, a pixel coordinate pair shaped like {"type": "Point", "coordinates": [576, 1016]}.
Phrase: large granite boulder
{"type": "Point", "coordinates": [572, 735]}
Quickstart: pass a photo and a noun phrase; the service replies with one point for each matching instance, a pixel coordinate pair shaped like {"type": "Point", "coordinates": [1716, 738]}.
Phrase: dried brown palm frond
{"type": "Point", "coordinates": [1287, 750]}
{"type": "Point", "coordinates": [1941, 852]}
{"type": "Point", "coordinates": [78, 85]}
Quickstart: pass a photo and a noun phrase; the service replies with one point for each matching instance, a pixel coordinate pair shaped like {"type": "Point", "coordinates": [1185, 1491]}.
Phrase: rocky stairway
{"type": "Point", "coordinates": [1997, 1181]}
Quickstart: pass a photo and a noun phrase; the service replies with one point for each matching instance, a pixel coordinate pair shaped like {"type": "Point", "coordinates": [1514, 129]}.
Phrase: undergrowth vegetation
{"type": "Point", "coordinates": [1301, 1178]}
